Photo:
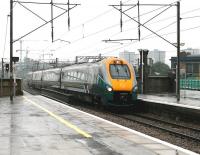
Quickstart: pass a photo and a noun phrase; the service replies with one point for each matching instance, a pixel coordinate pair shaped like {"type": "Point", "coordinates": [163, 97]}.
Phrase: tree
{"type": "Point", "coordinates": [160, 68]}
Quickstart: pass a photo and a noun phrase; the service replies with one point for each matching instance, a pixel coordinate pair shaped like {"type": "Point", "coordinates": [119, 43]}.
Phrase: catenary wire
{"type": "Point", "coordinates": [119, 32]}
{"type": "Point", "coordinates": [107, 28]}
{"type": "Point", "coordinates": [167, 25]}
{"type": "Point", "coordinates": [144, 38]}
{"type": "Point", "coordinates": [150, 34]}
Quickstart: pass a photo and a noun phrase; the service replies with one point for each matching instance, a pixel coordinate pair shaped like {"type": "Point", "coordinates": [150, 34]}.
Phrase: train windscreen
{"type": "Point", "coordinates": [119, 71]}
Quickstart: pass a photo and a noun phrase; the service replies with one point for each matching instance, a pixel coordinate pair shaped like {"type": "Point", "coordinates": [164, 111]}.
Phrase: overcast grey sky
{"type": "Point", "coordinates": [94, 21]}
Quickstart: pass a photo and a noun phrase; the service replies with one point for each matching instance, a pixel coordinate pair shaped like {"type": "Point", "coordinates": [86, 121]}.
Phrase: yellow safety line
{"type": "Point", "coordinates": [60, 119]}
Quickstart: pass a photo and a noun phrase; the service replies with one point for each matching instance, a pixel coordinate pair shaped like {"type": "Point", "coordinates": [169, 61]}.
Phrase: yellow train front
{"type": "Point", "coordinates": [116, 83]}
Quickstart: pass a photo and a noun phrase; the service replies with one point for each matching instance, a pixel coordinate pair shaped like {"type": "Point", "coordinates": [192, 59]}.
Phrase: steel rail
{"type": "Point", "coordinates": [158, 127]}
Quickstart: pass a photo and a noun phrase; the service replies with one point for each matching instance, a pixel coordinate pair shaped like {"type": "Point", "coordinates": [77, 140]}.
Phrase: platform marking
{"type": "Point", "coordinates": [60, 119]}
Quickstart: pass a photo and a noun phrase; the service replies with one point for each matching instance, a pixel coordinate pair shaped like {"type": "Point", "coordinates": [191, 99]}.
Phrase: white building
{"type": "Point", "coordinates": [157, 55]}
{"type": "Point", "coordinates": [192, 51]}
{"type": "Point", "coordinates": [131, 57]}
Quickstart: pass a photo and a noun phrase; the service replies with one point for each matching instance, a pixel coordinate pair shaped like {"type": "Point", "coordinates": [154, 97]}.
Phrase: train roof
{"type": "Point", "coordinates": [105, 60]}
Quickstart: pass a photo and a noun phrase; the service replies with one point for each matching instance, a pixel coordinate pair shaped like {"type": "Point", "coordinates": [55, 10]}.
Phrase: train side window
{"type": "Point", "coordinates": [75, 75]}
{"type": "Point", "coordinates": [69, 75]}
{"type": "Point", "coordinates": [72, 75]}
{"type": "Point", "coordinates": [83, 76]}
{"type": "Point", "coordinates": [79, 76]}
{"type": "Point", "coordinates": [65, 75]}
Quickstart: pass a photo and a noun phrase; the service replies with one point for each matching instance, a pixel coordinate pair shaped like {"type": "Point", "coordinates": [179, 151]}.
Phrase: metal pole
{"type": "Point", "coordinates": [142, 76]}
{"type": "Point", "coordinates": [21, 70]}
{"type": "Point", "coordinates": [178, 52]}
{"type": "Point", "coordinates": [14, 78]}
{"type": "Point", "coordinates": [52, 32]}
{"type": "Point", "coordinates": [68, 15]}
{"type": "Point", "coordinates": [2, 75]}
{"type": "Point", "coordinates": [11, 50]}
{"type": "Point", "coordinates": [138, 20]}
{"type": "Point", "coordinates": [185, 85]}
{"type": "Point", "coordinates": [2, 68]}
{"type": "Point", "coordinates": [121, 22]}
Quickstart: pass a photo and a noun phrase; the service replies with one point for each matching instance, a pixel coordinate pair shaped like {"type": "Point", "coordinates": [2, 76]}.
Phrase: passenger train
{"type": "Point", "coordinates": [111, 81]}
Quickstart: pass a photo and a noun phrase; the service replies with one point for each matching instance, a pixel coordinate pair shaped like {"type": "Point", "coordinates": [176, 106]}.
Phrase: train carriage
{"type": "Point", "coordinates": [111, 81]}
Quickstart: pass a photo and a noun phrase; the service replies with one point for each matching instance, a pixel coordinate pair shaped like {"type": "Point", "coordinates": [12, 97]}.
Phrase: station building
{"type": "Point", "coordinates": [189, 65]}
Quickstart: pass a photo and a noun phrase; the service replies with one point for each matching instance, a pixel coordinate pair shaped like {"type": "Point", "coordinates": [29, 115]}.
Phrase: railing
{"type": "Point", "coordinates": [190, 84]}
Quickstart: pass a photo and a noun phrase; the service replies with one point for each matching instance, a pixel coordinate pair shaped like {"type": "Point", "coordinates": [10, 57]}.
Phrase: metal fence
{"type": "Point", "coordinates": [190, 84]}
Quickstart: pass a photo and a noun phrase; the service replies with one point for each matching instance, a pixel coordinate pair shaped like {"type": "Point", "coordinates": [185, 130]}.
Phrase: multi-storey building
{"type": "Point", "coordinates": [131, 57]}
{"type": "Point", "coordinates": [192, 51]}
{"type": "Point", "coordinates": [157, 55]}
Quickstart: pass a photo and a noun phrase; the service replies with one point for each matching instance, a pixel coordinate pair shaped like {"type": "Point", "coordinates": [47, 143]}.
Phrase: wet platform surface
{"type": "Point", "coordinates": [189, 98]}
{"type": "Point", "coordinates": [35, 125]}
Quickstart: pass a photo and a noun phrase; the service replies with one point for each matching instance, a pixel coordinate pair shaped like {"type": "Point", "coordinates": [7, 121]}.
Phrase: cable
{"type": "Point", "coordinates": [183, 30]}
{"type": "Point", "coordinates": [193, 10]}
{"type": "Point", "coordinates": [103, 48]}
{"type": "Point", "coordinates": [190, 17]}
{"type": "Point", "coordinates": [107, 28]}
{"type": "Point", "coordinates": [114, 25]}
{"type": "Point", "coordinates": [94, 33]}
{"type": "Point", "coordinates": [4, 47]}
{"type": "Point", "coordinates": [146, 37]}
{"type": "Point", "coordinates": [156, 22]}
{"type": "Point", "coordinates": [161, 29]}
{"type": "Point", "coordinates": [164, 20]}
{"type": "Point", "coordinates": [152, 34]}
{"type": "Point", "coordinates": [153, 37]}
{"type": "Point", "coordinates": [119, 48]}
{"type": "Point", "coordinates": [15, 4]}
{"type": "Point", "coordinates": [132, 28]}
{"type": "Point", "coordinates": [91, 19]}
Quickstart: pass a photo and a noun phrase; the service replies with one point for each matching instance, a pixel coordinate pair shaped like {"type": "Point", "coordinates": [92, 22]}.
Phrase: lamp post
{"type": "Point", "coordinates": [2, 75]}
{"type": "Point", "coordinates": [11, 50]}
{"type": "Point", "coordinates": [178, 44]}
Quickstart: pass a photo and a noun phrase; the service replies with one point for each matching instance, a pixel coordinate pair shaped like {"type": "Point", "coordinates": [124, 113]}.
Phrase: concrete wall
{"type": "Point", "coordinates": [159, 84]}
{"type": "Point", "coordinates": [6, 87]}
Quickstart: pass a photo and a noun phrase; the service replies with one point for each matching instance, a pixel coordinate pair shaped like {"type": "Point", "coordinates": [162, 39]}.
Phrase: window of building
{"type": "Point", "coordinates": [189, 69]}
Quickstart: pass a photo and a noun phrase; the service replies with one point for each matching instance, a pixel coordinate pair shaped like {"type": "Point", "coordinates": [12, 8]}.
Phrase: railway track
{"type": "Point", "coordinates": [180, 130]}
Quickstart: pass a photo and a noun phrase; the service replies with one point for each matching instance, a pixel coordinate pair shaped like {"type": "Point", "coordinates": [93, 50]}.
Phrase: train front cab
{"type": "Point", "coordinates": [118, 86]}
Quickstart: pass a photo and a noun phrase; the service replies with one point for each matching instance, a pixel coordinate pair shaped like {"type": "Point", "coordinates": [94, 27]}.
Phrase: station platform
{"type": "Point", "coordinates": [188, 99]}
{"type": "Point", "coordinates": [35, 125]}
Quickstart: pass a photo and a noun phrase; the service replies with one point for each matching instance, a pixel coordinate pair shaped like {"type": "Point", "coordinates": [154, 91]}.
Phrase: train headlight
{"type": "Point", "coordinates": [109, 89]}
